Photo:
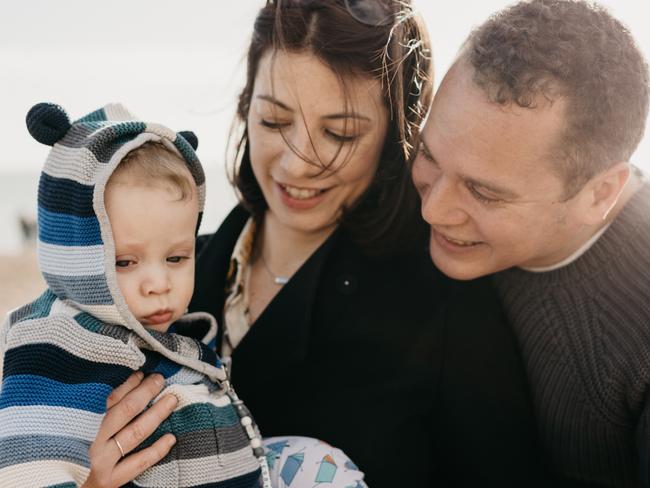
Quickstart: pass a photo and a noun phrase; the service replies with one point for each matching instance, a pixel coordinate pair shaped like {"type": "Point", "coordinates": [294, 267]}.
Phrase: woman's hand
{"type": "Point", "coordinates": [110, 462]}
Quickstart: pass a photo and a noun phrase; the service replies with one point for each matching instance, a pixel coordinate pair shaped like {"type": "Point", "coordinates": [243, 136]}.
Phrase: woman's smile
{"type": "Point", "coordinates": [301, 193]}
{"type": "Point", "coordinates": [300, 198]}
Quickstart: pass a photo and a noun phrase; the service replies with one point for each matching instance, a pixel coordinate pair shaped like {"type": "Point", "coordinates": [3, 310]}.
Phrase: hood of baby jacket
{"type": "Point", "coordinates": [76, 249]}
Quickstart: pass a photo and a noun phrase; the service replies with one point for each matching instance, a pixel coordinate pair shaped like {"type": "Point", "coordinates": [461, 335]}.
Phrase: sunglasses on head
{"type": "Point", "coordinates": [371, 12]}
{"type": "Point", "coordinates": [368, 12]}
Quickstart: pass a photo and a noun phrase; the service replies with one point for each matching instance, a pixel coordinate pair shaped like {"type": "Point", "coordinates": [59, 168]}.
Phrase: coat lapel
{"type": "Point", "coordinates": [287, 316]}
{"type": "Point", "coordinates": [212, 263]}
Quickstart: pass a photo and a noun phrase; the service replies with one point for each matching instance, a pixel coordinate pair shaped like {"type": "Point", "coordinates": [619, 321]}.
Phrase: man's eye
{"type": "Point", "coordinates": [426, 154]}
{"type": "Point", "coordinates": [273, 125]}
{"type": "Point", "coordinates": [479, 196]}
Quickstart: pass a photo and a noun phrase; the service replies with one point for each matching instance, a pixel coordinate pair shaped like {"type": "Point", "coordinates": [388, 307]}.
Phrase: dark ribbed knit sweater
{"type": "Point", "coordinates": [584, 334]}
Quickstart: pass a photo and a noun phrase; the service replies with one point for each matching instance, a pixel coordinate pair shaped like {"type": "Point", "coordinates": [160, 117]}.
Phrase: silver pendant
{"type": "Point", "coordinates": [280, 280]}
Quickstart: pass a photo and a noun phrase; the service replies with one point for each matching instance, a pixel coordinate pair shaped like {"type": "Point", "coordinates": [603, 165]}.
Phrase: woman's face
{"type": "Point", "coordinates": [298, 111]}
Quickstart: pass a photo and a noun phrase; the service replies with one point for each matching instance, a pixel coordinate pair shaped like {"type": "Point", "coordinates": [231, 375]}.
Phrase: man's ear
{"type": "Point", "coordinates": [602, 192]}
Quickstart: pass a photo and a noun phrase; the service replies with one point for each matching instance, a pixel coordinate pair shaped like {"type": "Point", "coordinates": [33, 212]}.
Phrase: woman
{"type": "Point", "coordinates": [332, 312]}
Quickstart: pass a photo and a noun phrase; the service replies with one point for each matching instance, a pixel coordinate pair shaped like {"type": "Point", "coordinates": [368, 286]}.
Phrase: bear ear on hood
{"type": "Point", "coordinates": [47, 123]}
{"type": "Point", "coordinates": [191, 138]}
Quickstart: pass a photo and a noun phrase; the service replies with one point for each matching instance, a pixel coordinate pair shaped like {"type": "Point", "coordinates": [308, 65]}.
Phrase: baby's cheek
{"type": "Point", "coordinates": [187, 289]}
{"type": "Point", "coordinates": [128, 289]}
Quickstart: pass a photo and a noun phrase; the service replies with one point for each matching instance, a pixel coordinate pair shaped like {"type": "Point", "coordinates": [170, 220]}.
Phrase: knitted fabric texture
{"type": "Point", "coordinates": [65, 352]}
{"type": "Point", "coordinates": [584, 333]}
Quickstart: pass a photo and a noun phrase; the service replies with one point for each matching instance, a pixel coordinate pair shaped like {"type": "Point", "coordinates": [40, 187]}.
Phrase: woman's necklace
{"type": "Point", "coordinates": [279, 280]}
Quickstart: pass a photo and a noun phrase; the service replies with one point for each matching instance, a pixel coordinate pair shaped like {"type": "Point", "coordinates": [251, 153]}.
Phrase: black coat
{"type": "Point", "coordinates": [414, 376]}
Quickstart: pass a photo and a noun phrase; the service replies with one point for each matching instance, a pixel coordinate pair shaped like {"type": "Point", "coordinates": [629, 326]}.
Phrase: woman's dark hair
{"type": "Point", "coordinates": [385, 220]}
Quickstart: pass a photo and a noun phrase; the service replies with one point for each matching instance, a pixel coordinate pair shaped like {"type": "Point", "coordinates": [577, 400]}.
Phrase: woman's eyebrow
{"type": "Point", "coordinates": [346, 115]}
{"type": "Point", "coordinates": [275, 101]}
{"type": "Point", "coordinates": [336, 116]}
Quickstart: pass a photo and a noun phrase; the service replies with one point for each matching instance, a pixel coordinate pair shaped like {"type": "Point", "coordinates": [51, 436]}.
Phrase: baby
{"type": "Point", "coordinates": [119, 205]}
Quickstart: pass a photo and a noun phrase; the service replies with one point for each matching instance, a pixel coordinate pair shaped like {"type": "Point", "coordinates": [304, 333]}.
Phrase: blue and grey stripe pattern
{"type": "Point", "coordinates": [66, 351]}
{"type": "Point", "coordinates": [70, 210]}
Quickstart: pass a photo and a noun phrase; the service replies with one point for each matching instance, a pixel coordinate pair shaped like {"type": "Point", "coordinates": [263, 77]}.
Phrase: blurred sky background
{"type": "Point", "coordinates": [178, 63]}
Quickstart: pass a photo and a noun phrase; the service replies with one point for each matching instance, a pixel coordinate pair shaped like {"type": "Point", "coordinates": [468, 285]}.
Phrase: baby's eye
{"type": "Point", "coordinates": [176, 259]}
{"type": "Point", "coordinates": [124, 263]}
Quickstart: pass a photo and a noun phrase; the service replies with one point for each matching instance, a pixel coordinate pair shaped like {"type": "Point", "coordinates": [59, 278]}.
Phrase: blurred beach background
{"type": "Point", "coordinates": [177, 63]}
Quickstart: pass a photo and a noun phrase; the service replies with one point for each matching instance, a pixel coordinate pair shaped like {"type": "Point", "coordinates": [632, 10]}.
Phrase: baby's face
{"type": "Point", "coordinates": [154, 235]}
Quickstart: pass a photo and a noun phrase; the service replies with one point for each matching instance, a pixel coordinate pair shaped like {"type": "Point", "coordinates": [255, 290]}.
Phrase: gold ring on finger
{"type": "Point", "coordinates": [119, 446]}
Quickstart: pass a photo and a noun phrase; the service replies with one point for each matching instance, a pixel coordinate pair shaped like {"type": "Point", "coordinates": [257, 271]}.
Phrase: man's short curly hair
{"type": "Point", "coordinates": [577, 51]}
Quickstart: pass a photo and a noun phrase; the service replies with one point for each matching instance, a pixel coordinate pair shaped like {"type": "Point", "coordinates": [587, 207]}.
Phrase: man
{"type": "Point", "coordinates": [523, 174]}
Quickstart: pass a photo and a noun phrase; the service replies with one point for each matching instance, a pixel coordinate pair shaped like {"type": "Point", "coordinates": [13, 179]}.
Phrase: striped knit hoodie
{"type": "Point", "coordinates": [66, 351]}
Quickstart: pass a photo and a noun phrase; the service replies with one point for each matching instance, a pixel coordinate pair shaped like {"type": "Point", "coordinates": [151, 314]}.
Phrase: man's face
{"type": "Point", "coordinates": [489, 192]}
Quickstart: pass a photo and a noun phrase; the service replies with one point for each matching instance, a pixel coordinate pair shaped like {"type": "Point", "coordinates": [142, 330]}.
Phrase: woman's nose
{"type": "Point", "coordinates": [300, 157]}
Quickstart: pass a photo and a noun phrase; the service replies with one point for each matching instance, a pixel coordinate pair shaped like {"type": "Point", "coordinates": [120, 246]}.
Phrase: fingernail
{"type": "Point", "coordinates": [171, 440]}
{"type": "Point", "coordinates": [158, 379]}
{"type": "Point", "coordinates": [171, 400]}
{"type": "Point", "coordinates": [139, 375]}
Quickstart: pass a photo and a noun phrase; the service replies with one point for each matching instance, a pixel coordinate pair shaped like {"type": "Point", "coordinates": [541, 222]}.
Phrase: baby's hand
{"type": "Point", "coordinates": [120, 432]}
